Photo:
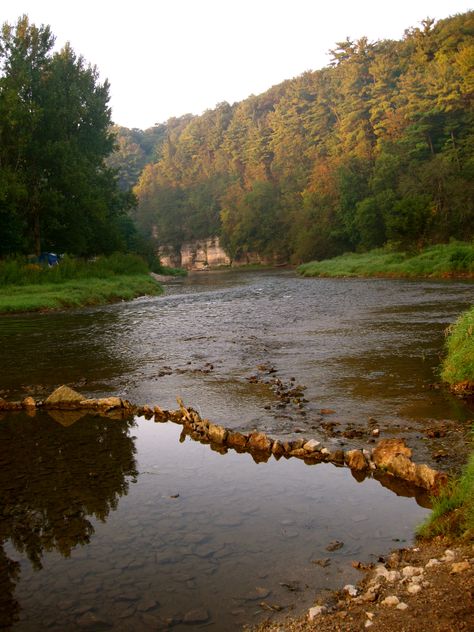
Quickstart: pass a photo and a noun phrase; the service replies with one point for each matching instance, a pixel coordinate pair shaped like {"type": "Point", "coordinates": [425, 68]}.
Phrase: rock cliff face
{"type": "Point", "coordinates": [203, 254]}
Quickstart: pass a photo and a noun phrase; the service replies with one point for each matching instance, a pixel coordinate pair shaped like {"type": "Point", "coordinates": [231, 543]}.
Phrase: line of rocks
{"type": "Point", "coordinates": [389, 455]}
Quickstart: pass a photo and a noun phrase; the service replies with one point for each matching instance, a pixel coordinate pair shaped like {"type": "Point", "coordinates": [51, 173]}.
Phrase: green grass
{"type": "Point", "coordinates": [442, 260]}
{"type": "Point", "coordinates": [75, 293]}
{"type": "Point", "coordinates": [458, 366]}
{"type": "Point", "coordinates": [453, 509]}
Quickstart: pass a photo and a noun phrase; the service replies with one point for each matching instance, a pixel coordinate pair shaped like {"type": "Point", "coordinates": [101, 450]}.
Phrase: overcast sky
{"type": "Point", "coordinates": [165, 58]}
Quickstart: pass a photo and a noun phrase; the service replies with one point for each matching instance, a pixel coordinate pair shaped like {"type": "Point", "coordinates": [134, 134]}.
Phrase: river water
{"type": "Point", "coordinates": [125, 525]}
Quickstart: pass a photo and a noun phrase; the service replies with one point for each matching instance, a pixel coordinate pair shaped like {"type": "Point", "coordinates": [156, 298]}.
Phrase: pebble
{"type": "Point", "coordinates": [414, 589]}
{"type": "Point", "coordinates": [402, 606]}
{"type": "Point", "coordinates": [369, 623]}
{"type": "Point", "coordinates": [411, 571]}
{"type": "Point", "coordinates": [460, 567]}
{"type": "Point", "coordinates": [351, 590]}
{"type": "Point", "coordinates": [316, 611]}
{"type": "Point", "coordinates": [432, 562]}
{"type": "Point", "coordinates": [391, 600]}
{"type": "Point", "coordinates": [448, 556]}
{"type": "Point", "coordinates": [199, 615]}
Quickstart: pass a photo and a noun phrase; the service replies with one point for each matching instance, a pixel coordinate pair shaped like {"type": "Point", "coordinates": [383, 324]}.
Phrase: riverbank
{"type": "Point", "coordinates": [76, 293]}
{"type": "Point", "coordinates": [426, 587]}
{"type": "Point", "coordinates": [441, 261]}
{"type": "Point", "coordinates": [432, 582]}
{"type": "Point", "coordinates": [28, 287]}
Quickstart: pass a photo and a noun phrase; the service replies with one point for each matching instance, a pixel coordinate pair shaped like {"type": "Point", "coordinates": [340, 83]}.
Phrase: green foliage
{"type": "Point", "coordinates": [376, 148]}
{"type": "Point", "coordinates": [18, 272]}
{"type": "Point", "coordinates": [458, 366]}
{"type": "Point", "coordinates": [56, 191]}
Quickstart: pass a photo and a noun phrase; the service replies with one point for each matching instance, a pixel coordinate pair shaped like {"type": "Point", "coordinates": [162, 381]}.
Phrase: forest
{"type": "Point", "coordinates": [376, 149]}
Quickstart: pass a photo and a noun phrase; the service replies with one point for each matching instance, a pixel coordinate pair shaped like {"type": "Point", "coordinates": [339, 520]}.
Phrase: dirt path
{"type": "Point", "coordinates": [429, 587]}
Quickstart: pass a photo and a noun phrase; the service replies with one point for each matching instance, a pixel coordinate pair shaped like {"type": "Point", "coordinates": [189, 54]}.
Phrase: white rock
{"type": "Point", "coordinates": [391, 600]}
{"type": "Point", "coordinates": [369, 623]}
{"type": "Point", "coordinates": [312, 445]}
{"type": "Point", "coordinates": [410, 571]}
{"type": "Point", "coordinates": [390, 576]}
{"type": "Point", "coordinates": [316, 611]}
{"type": "Point", "coordinates": [432, 562]}
{"type": "Point", "coordinates": [448, 556]}
{"type": "Point", "coordinates": [351, 590]}
{"type": "Point", "coordinates": [369, 615]}
{"type": "Point", "coordinates": [402, 606]}
{"type": "Point", "coordinates": [414, 589]}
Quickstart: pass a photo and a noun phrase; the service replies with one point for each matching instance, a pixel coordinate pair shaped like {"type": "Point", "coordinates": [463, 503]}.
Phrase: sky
{"type": "Point", "coordinates": [166, 58]}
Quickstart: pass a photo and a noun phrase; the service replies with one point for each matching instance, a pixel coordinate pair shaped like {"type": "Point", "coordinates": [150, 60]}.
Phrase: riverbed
{"type": "Point", "coordinates": [129, 525]}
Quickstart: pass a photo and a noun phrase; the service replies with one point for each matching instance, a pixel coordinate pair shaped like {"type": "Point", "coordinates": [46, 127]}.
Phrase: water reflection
{"type": "Point", "coordinates": [54, 478]}
{"type": "Point", "coordinates": [201, 536]}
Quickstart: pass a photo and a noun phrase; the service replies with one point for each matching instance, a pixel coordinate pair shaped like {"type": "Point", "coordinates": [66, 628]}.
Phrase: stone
{"type": "Point", "coordinates": [448, 556]}
{"type": "Point", "coordinates": [28, 402]}
{"type": "Point", "coordinates": [387, 449]}
{"type": "Point", "coordinates": [277, 448]}
{"type": "Point", "coordinates": [414, 589]}
{"type": "Point", "coordinates": [355, 460]}
{"type": "Point", "coordinates": [428, 478]}
{"type": "Point", "coordinates": [236, 440]}
{"type": "Point", "coordinates": [391, 600]}
{"type": "Point", "coordinates": [351, 590]}
{"type": "Point", "coordinates": [300, 452]}
{"type": "Point", "coordinates": [315, 611]}
{"type": "Point", "coordinates": [198, 615]}
{"type": "Point", "coordinates": [216, 433]}
{"type": "Point", "coordinates": [64, 397]}
{"type": "Point", "coordinates": [401, 606]}
{"type": "Point", "coordinates": [312, 445]}
{"type": "Point", "coordinates": [334, 545]}
{"type": "Point", "coordinates": [411, 571]}
{"type": "Point", "coordinates": [432, 562]}
{"type": "Point", "coordinates": [260, 442]}
{"type": "Point", "coordinates": [460, 567]}
{"type": "Point", "coordinates": [368, 623]}
{"type": "Point", "coordinates": [337, 457]}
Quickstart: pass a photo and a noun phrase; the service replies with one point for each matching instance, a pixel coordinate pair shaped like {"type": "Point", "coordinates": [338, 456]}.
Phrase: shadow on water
{"type": "Point", "coordinates": [54, 478]}
{"type": "Point", "coordinates": [199, 539]}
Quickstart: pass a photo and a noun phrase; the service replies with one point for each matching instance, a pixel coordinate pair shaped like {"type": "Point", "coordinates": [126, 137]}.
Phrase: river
{"type": "Point", "coordinates": [125, 525]}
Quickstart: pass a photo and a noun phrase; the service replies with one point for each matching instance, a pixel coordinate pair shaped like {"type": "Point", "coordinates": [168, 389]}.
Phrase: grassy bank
{"type": "Point", "coordinates": [453, 510]}
{"type": "Point", "coordinates": [458, 366]}
{"type": "Point", "coordinates": [28, 287]}
{"type": "Point", "coordinates": [443, 260]}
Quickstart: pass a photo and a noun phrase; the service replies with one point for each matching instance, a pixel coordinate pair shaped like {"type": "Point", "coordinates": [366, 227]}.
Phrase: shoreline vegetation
{"type": "Point", "coordinates": [28, 287]}
{"type": "Point", "coordinates": [452, 260]}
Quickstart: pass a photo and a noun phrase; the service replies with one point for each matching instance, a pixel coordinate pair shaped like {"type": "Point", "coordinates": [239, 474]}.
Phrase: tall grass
{"type": "Point", "coordinates": [18, 272]}
{"type": "Point", "coordinates": [442, 260]}
{"type": "Point", "coordinates": [453, 509]}
{"type": "Point", "coordinates": [458, 366]}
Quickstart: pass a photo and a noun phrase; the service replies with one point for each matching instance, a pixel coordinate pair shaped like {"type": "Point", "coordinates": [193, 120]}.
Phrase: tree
{"type": "Point", "coordinates": [55, 135]}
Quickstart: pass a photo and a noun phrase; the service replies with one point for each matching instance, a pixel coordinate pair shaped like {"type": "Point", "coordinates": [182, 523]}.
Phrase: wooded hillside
{"type": "Point", "coordinates": [377, 147]}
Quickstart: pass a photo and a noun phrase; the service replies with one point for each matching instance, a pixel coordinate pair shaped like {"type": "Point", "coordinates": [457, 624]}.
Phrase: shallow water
{"type": "Point", "coordinates": [134, 530]}
{"type": "Point", "coordinates": [118, 525]}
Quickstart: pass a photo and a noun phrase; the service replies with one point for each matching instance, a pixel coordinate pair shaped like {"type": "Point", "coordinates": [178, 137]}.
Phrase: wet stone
{"type": "Point", "coordinates": [198, 615]}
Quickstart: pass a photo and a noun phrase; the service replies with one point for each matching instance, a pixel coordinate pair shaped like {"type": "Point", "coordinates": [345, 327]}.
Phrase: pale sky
{"type": "Point", "coordinates": [166, 58]}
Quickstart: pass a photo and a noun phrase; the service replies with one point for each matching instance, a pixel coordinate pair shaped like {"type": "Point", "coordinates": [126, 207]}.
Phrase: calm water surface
{"type": "Point", "coordinates": [117, 525]}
